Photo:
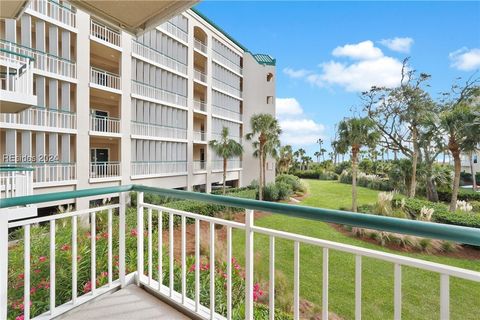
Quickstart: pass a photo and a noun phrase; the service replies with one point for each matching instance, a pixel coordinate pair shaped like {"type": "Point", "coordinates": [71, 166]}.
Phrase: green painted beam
{"type": "Point", "coordinates": [13, 168]}
{"type": "Point", "coordinates": [411, 227]}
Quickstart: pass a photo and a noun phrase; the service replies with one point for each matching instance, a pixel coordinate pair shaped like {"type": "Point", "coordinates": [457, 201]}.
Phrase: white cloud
{"type": "Point", "coordinates": [292, 73]}
{"type": "Point", "coordinates": [398, 44]}
{"type": "Point", "coordinates": [360, 51]}
{"type": "Point", "coordinates": [287, 106]}
{"type": "Point", "coordinates": [465, 59]}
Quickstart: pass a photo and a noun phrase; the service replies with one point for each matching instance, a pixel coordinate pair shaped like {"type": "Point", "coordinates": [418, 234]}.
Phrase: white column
{"type": "Point", "coordinates": [11, 145]}
{"type": "Point", "coordinates": [40, 35]}
{"type": "Point", "coordinates": [26, 30]}
{"type": "Point", "coordinates": [126, 107]}
{"type": "Point", "coordinates": [11, 30]}
{"type": "Point", "coordinates": [26, 144]}
{"type": "Point", "coordinates": [190, 127]}
{"type": "Point", "coordinates": [53, 40]}
{"type": "Point", "coordinates": [209, 113]}
{"type": "Point", "coordinates": [65, 44]}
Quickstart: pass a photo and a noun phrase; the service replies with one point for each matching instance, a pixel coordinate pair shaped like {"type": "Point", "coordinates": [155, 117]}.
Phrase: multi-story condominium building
{"type": "Point", "coordinates": [108, 108]}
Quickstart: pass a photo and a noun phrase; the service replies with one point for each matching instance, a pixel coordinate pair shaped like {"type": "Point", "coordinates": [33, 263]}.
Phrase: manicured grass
{"type": "Point", "coordinates": [420, 288]}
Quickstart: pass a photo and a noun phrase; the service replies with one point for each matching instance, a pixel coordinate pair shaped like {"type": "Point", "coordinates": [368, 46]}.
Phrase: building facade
{"type": "Point", "coordinates": [114, 109]}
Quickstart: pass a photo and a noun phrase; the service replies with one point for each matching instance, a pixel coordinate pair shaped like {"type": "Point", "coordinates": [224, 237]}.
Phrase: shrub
{"type": "Point", "coordinates": [306, 174]}
{"type": "Point", "coordinates": [284, 190]}
{"type": "Point", "coordinates": [270, 192]}
{"type": "Point", "coordinates": [475, 206]}
{"type": "Point", "coordinates": [327, 175]}
{"type": "Point", "coordinates": [465, 195]}
{"type": "Point", "coordinates": [342, 166]}
{"type": "Point", "coordinates": [370, 181]}
{"type": "Point", "coordinates": [295, 183]}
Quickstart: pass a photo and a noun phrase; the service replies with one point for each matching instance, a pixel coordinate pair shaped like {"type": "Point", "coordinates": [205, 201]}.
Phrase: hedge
{"type": "Point", "coordinates": [465, 195]}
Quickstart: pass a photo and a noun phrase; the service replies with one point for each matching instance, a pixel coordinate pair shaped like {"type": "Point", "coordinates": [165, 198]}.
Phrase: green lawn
{"type": "Point", "coordinates": [420, 288]}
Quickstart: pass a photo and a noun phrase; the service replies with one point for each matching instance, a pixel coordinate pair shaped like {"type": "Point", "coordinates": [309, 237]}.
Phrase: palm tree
{"type": "Point", "coordinates": [354, 133]}
{"type": "Point", "coordinates": [317, 154]}
{"type": "Point", "coordinates": [226, 148]}
{"type": "Point", "coordinates": [322, 153]}
{"type": "Point", "coordinates": [285, 159]}
{"type": "Point", "coordinates": [266, 131]}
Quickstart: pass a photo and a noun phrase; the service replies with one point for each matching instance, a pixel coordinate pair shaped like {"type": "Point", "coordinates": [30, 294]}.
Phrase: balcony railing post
{"type": "Point", "coordinates": [121, 239]}
{"type": "Point", "coordinates": [139, 236]}
{"type": "Point", "coordinates": [249, 216]}
{"type": "Point", "coordinates": [3, 262]}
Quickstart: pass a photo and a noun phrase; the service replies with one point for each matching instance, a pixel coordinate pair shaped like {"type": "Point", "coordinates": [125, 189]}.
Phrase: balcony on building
{"type": "Point", "coordinates": [45, 64]}
{"type": "Point", "coordinates": [174, 31]}
{"type": "Point", "coordinates": [232, 135]}
{"type": "Point", "coordinates": [199, 98]}
{"type": "Point", "coordinates": [227, 63]}
{"type": "Point", "coordinates": [150, 55]}
{"type": "Point", "coordinates": [41, 119]}
{"type": "Point", "coordinates": [158, 95]}
{"type": "Point", "coordinates": [16, 81]}
{"type": "Point", "coordinates": [154, 168]}
{"type": "Point", "coordinates": [105, 35]}
{"type": "Point", "coordinates": [199, 128]}
{"type": "Point", "coordinates": [104, 159]}
{"type": "Point", "coordinates": [105, 68]}
{"type": "Point", "coordinates": [200, 68]}
{"type": "Point", "coordinates": [55, 173]}
{"type": "Point", "coordinates": [232, 165]}
{"type": "Point", "coordinates": [60, 13]}
{"type": "Point", "coordinates": [226, 88]}
{"type": "Point", "coordinates": [200, 40]}
{"type": "Point", "coordinates": [226, 113]}
{"type": "Point", "coordinates": [104, 114]}
{"type": "Point", "coordinates": [154, 131]}
{"type": "Point", "coordinates": [199, 158]}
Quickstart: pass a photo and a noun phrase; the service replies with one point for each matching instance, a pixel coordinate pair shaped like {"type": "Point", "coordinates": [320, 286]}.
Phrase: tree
{"type": "Point", "coordinates": [317, 154]}
{"type": "Point", "coordinates": [226, 148]}
{"type": "Point", "coordinates": [460, 123]}
{"type": "Point", "coordinates": [322, 153]}
{"type": "Point", "coordinates": [265, 139]}
{"type": "Point", "coordinates": [299, 154]}
{"type": "Point", "coordinates": [354, 133]}
{"type": "Point", "coordinates": [285, 159]}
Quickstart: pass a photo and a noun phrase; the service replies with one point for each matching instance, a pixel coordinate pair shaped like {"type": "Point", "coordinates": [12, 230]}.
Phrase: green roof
{"type": "Point", "coordinates": [264, 59]}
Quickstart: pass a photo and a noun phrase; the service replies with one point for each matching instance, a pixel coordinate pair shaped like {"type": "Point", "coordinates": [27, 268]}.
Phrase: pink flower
{"type": "Point", "coordinates": [37, 271]}
{"type": "Point", "coordinates": [133, 232]}
{"type": "Point", "coordinates": [42, 259]}
{"type": "Point", "coordinates": [103, 274]}
{"type": "Point", "coordinates": [104, 235]}
{"type": "Point", "coordinates": [87, 287]}
{"type": "Point", "coordinates": [21, 317]}
{"type": "Point", "coordinates": [65, 247]}
{"type": "Point", "coordinates": [192, 268]}
{"type": "Point", "coordinates": [21, 276]}
{"type": "Point", "coordinates": [33, 290]}
{"type": "Point", "coordinates": [257, 292]}
{"type": "Point", "coordinates": [88, 234]}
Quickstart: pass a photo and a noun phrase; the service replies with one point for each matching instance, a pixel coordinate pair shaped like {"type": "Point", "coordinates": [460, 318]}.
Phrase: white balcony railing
{"type": "Point", "coordinates": [174, 31]}
{"type": "Point", "coordinates": [16, 76]}
{"type": "Point", "coordinates": [41, 117]}
{"type": "Point", "coordinates": [104, 124]}
{"type": "Point", "coordinates": [199, 165]}
{"type": "Point", "coordinates": [104, 78]}
{"type": "Point", "coordinates": [104, 33]}
{"type": "Point", "coordinates": [51, 172]}
{"type": "Point", "coordinates": [55, 10]}
{"type": "Point", "coordinates": [227, 88]}
{"type": "Point", "coordinates": [199, 136]}
{"type": "Point", "coordinates": [152, 92]}
{"type": "Point", "coordinates": [226, 113]}
{"type": "Point", "coordinates": [180, 280]}
{"type": "Point", "coordinates": [107, 169]}
{"type": "Point", "coordinates": [200, 46]}
{"type": "Point", "coordinates": [226, 62]}
{"type": "Point", "coordinates": [15, 181]}
{"type": "Point", "coordinates": [158, 57]}
{"type": "Point", "coordinates": [43, 61]}
{"type": "Point", "coordinates": [218, 137]}
{"type": "Point", "coordinates": [199, 105]}
{"type": "Point", "coordinates": [157, 131]}
{"type": "Point", "coordinates": [217, 165]}
{"type": "Point", "coordinates": [146, 168]}
{"type": "Point", "coordinates": [199, 76]}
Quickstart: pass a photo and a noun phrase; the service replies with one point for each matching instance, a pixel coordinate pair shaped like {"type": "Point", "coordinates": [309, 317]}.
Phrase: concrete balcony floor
{"type": "Point", "coordinates": [130, 303]}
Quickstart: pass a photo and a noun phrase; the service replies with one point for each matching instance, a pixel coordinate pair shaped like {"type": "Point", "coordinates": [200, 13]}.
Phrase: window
{"type": "Point", "coordinates": [269, 76]}
{"type": "Point", "coordinates": [269, 99]}
{"type": "Point", "coordinates": [475, 159]}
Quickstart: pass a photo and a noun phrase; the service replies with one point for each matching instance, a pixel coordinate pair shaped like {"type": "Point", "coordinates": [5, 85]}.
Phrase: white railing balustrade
{"type": "Point", "coordinates": [16, 74]}
{"type": "Point", "coordinates": [53, 172]}
{"type": "Point", "coordinates": [41, 117]}
{"type": "Point", "coordinates": [158, 57]}
{"type": "Point", "coordinates": [227, 88]}
{"type": "Point", "coordinates": [55, 10]}
{"type": "Point", "coordinates": [217, 165]}
{"type": "Point", "coordinates": [200, 46]}
{"type": "Point", "coordinates": [15, 182]}
{"type": "Point", "coordinates": [199, 136]}
{"type": "Point", "coordinates": [226, 113]}
{"type": "Point", "coordinates": [157, 131]}
{"type": "Point", "coordinates": [199, 165]}
{"type": "Point", "coordinates": [199, 105]}
{"type": "Point", "coordinates": [105, 33]}
{"type": "Point", "coordinates": [226, 62]}
{"type": "Point", "coordinates": [218, 137]}
{"type": "Point", "coordinates": [152, 92]}
{"type": "Point", "coordinates": [141, 168]}
{"type": "Point", "coordinates": [174, 31]}
{"type": "Point", "coordinates": [104, 78]}
{"type": "Point", "coordinates": [106, 169]}
{"type": "Point", "coordinates": [199, 76]}
{"type": "Point", "coordinates": [104, 124]}
{"type": "Point", "coordinates": [43, 61]}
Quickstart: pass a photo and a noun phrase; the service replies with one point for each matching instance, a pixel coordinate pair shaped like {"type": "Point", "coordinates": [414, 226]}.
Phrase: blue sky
{"type": "Point", "coordinates": [327, 52]}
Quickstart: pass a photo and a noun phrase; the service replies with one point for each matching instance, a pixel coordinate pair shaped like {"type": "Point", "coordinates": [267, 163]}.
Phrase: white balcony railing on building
{"type": "Point", "coordinates": [226, 62]}
{"type": "Point", "coordinates": [52, 172]}
{"type": "Point", "coordinates": [55, 10]}
{"type": "Point", "coordinates": [104, 124]}
{"type": "Point", "coordinates": [218, 137]}
{"type": "Point", "coordinates": [15, 181]}
{"type": "Point", "coordinates": [178, 279]}
{"type": "Point", "coordinates": [41, 117]}
{"type": "Point", "coordinates": [16, 74]}
{"type": "Point", "coordinates": [199, 136]}
{"type": "Point", "coordinates": [104, 169]}
{"type": "Point", "coordinates": [152, 92]}
{"type": "Point", "coordinates": [199, 165]}
{"type": "Point", "coordinates": [217, 165]}
{"type": "Point", "coordinates": [200, 46]}
{"type": "Point", "coordinates": [199, 105]}
{"type": "Point", "coordinates": [157, 131]}
{"type": "Point", "coordinates": [158, 57]}
{"type": "Point", "coordinates": [43, 61]}
{"type": "Point", "coordinates": [226, 113]}
{"type": "Point", "coordinates": [104, 78]}
{"type": "Point", "coordinates": [227, 88]}
{"type": "Point", "coordinates": [199, 76]}
{"type": "Point", "coordinates": [141, 168]}
{"type": "Point", "coordinates": [105, 33]}
{"type": "Point", "coordinates": [174, 31]}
